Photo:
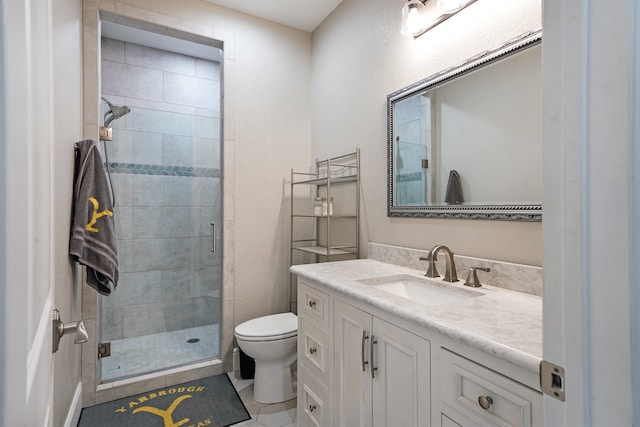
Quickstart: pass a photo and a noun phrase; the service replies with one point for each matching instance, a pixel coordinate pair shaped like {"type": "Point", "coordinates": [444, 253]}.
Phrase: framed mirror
{"type": "Point", "coordinates": [467, 142]}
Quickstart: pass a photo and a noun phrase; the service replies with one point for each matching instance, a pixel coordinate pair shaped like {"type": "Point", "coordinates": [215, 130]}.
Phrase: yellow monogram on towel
{"type": "Point", "coordinates": [95, 215]}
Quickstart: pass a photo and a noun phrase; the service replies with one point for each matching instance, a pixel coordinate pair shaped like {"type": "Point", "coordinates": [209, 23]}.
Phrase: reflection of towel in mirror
{"type": "Point", "coordinates": [93, 237]}
{"type": "Point", "coordinates": [454, 189]}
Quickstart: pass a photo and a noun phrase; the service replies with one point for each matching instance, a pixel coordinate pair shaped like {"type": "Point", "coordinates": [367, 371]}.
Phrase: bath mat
{"type": "Point", "coordinates": [210, 402]}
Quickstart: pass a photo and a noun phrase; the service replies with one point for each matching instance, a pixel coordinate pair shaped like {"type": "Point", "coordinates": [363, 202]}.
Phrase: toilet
{"type": "Point", "coordinates": [272, 342]}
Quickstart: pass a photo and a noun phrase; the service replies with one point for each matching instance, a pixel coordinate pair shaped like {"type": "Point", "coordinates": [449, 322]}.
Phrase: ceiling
{"type": "Point", "coordinates": [142, 37]}
{"type": "Point", "coordinates": [304, 15]}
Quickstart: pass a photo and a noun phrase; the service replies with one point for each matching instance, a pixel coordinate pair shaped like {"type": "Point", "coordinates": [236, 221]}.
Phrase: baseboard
{"type": "Point", "coordinates": [73, 416]}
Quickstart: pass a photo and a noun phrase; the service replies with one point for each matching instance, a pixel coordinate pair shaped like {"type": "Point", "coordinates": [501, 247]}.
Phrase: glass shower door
{"type": "Point", "coordinates": [412, 148]}
{"type": "Point", "coordinates": [164, 161]}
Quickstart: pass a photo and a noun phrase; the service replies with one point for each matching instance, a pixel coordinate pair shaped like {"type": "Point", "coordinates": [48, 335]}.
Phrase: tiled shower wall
{"type": "Point", "coordinates": [165, 168]}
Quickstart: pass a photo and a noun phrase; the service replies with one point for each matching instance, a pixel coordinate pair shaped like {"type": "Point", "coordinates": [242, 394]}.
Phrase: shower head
{"type": "Point", "coordinates": [115, 112]}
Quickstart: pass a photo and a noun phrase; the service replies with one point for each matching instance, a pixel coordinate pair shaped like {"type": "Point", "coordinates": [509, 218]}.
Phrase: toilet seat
{"type": "Point", "coordinates": [268, 328]}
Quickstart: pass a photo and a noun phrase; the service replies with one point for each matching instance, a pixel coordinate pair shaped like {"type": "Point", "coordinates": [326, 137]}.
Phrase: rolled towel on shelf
{"type": "Point", "coordinates": [93, 237]}
{"type": "Point", "coordinates": [453, 195]}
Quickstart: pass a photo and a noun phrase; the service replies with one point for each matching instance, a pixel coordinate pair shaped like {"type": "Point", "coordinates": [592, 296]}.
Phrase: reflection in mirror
{"type": "Point", "coordinates": [467, 142]}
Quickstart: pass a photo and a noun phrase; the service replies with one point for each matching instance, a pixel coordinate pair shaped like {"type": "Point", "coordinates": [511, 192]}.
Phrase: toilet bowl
{"type": "Point", "coordinates": [272, 342]}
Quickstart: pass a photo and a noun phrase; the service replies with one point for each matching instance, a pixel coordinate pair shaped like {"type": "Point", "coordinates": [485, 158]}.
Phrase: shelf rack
{"type": "Point", "coordinates": [321, 239]}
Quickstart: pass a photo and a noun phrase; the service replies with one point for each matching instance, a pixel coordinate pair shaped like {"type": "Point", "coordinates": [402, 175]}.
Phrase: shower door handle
{"type": "Point", "coordinates": [213, 237]}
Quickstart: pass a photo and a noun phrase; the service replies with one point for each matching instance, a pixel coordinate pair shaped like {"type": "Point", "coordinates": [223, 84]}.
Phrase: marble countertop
{"type": "Point", "coordinates": [503, 323]}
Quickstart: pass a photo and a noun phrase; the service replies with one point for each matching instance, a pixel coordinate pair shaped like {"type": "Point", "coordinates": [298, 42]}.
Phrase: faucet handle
{"type": "Point", "coordinates": [472, 277]}
{"type": "Point", "coordinates": [432, 271]}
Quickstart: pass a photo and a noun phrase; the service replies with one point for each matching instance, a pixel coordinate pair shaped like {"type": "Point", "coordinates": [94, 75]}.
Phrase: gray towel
{"type": "Point", "coordinates": [454, 189]}
{"type": "Point", "coordinates": [93, 236]}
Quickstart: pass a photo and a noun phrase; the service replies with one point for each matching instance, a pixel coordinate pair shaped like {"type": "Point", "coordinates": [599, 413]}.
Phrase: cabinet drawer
{"type": "Point", "coordinates": [488, 398]}
{"type": "Point", "coordinates": [314, 351]}
{"type": "Point", "coordinates": [313, 304]}
{"type": "Point", "coordinates": [448, 422]}
{"type": "Point", "coordinates": [314, 405]}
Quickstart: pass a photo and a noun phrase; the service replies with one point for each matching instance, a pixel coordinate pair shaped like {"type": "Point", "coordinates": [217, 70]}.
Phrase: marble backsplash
{"type": "Point", "coordinates": [516, 277]}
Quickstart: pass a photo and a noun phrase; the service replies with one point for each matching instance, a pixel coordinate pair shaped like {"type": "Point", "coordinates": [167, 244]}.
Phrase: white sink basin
{"type": "Point", "coordinates": [423, 291]}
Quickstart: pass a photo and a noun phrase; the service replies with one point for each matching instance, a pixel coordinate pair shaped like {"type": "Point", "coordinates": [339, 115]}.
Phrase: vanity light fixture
{"type": "Point", "coordinates": [418, 16]}
{"type": "Point", "coordinates": [414, 18]}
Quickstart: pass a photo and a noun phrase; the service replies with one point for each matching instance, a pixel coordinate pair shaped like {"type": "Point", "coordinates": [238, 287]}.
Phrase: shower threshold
{"type": "Point", "coordinates": [150, 353]}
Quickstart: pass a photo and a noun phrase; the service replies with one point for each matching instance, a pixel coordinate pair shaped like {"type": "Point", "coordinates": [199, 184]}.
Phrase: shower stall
{"type": "Point", "coordinates": [164, 161]}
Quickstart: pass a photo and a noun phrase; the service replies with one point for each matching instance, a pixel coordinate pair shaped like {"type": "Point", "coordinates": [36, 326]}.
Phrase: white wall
{"type": "Point", "coordinates": [67, 63]}
{"type": "Point", "coordinates": [272, 136]}
{"type": "Point", "coordinates": [358, 58]}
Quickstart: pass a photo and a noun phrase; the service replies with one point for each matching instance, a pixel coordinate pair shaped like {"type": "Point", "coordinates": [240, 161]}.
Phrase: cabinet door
{"type": "Point", "coordinates": [352, 381]}
{"type": "Point", "coordinates": [401, 387]}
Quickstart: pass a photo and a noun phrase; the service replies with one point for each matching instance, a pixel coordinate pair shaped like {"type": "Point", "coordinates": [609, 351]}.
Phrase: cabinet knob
{"type": "Point", "coordinates": [312, 303]}
{"type": "Point", "coordinates": [312, 408]}
{"type": "Point", "coordinates": [312, 350]}
{"type": "Point", "coordinates": [485, 402]}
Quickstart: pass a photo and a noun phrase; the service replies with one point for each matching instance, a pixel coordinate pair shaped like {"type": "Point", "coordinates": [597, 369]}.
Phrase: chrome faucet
{"type": "Point", "coordinates": [450, 274]}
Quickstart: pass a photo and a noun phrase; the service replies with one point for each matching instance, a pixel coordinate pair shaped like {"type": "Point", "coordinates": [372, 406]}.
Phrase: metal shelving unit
{"type": "Point", "coordinates": [327, 237]}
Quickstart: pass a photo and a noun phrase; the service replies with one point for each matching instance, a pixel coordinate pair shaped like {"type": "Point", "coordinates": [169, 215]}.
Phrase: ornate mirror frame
{"type": "Point", "coordinates": [518, 212]}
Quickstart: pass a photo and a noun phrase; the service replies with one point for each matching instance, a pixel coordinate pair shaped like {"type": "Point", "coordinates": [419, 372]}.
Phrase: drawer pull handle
{"type": "Point", "coordinates": [312, 303]}
{"type": "Point", "coordinates": [312, 350]}
{"type": "Point", "coordinates": [312, 408]}
{"type": "Point", "coordinates": [485, 402]}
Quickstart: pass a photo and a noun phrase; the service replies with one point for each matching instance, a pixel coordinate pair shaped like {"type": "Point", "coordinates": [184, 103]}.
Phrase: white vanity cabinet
{"type": "Point", "coordinates": [355, 369]}
{"type": "Point", "coordinates": [363, 362]}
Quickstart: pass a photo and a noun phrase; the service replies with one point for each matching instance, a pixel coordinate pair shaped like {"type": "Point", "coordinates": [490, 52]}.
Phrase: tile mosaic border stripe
{"type": "Point", "coordinates": [409, 177]}
{"type": "Point", "coordinates": [163, 170]}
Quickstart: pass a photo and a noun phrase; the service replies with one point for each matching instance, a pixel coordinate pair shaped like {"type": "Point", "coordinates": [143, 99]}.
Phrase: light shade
{"type": "Point", "coordinates": [414, 19]}
{"type": "Point", "coordinates": [450, 6]}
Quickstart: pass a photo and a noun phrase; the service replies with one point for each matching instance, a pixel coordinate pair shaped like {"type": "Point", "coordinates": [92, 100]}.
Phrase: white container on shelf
{"type": "Point", "coordinates": [317, 206]}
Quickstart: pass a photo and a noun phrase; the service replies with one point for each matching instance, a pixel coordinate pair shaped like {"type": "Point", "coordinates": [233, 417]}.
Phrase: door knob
{"type": "Point", "coordinates": [60, 329]}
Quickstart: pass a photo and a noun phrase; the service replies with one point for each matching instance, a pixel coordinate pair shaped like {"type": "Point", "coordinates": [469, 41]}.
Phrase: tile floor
{"type": "Point", "coordinates": [263, 415]}
{"type": "Point", "coordinates": [132, 356]}
{"type": "Point", "coordinates": [139, 355]}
